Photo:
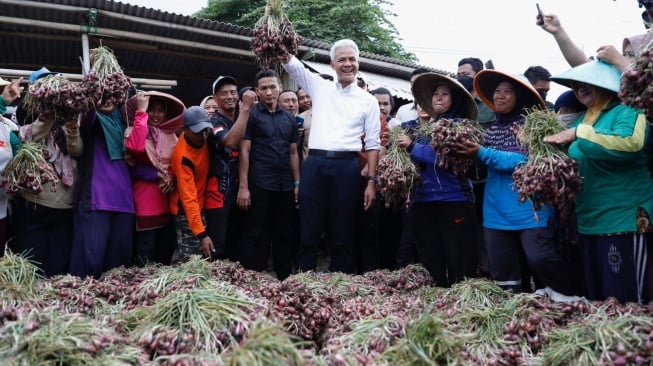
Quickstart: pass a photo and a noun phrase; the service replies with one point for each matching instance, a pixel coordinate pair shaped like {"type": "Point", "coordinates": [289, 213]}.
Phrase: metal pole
{"type": "Point", "coordinates": [86, 59]}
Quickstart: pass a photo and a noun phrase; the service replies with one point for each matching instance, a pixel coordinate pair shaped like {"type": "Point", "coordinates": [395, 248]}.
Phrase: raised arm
{"type": "Point", "coordinates": [572, 53]}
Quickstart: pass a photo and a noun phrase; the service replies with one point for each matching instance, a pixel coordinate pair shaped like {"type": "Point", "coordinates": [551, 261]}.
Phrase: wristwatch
{"type": "Point", "coordinates": [373, 178]}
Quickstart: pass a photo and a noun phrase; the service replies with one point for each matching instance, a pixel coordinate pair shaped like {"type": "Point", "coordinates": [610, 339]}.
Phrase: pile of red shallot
{"type": "Point", "coordinates": [218, 313]}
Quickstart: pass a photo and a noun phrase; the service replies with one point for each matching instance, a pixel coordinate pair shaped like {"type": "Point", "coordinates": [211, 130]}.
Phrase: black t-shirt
{"type": "Point", "coordinates": [271, 134]}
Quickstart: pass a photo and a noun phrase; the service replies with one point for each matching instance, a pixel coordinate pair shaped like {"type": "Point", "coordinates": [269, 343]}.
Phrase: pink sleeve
{"type": "Point", "coordinates": [136, 139]}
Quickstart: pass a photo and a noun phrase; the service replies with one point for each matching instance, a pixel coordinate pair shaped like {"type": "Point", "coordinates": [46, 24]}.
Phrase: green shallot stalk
{"type": "Point", "coordinates": [265, 344]}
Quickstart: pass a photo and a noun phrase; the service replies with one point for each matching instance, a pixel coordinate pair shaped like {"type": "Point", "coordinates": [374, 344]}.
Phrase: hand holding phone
{"type": "Point", "coordinates": [540, 16]}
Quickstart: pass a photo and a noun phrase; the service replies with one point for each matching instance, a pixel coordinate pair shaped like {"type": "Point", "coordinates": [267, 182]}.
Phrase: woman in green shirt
{"type": "Point", "coordinates": [615, 204]}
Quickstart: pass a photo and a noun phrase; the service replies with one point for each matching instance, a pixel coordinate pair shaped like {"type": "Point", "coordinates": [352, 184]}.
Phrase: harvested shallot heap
{"type": "Point", "coordinates": [274, 36]}
{"type": "Point", "coordinates": [549, 176]}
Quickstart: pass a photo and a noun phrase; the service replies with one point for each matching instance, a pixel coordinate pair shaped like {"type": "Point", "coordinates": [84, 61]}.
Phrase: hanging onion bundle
{"type": "Point", "coordinates": [397, 174]}
{"type": "Point", "coordinates": [274, 36]}
{"type": "Point", "coordinates": [446, 134]}
{"type": "Point", "coordinates": [106, 79]}
{"type": "Point", "coordinates": [29, 170]}
{"type": "Point", "coordinates": [637, 83]}
{"type": "Point", "coordinates": [58, 96]}
{"type": "Point", "coordinates": [549, 176]}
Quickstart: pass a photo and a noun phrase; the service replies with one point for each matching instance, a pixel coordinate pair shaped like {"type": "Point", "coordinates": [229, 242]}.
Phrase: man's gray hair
{"type": "Point", "coordinates": [344, 43]}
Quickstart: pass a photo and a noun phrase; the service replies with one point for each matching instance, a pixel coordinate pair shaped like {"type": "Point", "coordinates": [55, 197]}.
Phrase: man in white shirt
{"type": "Point", "coordinates": [408, 112]}
{"type": "Point", "coordinates": [330, 177]}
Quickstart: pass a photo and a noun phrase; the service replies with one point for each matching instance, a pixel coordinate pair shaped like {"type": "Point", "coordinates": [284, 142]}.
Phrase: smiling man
{"type": "Point", "coordinates": [229, 124]}
{"type": "Point", "coordinates": [331, 175]}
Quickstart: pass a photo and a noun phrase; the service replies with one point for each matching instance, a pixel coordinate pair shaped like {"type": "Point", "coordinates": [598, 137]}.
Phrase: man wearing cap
{"type": "Point", "coordinates": [189, 164]}
{"type": "Point", "coordinates": [223, 143]}
{"type": "Point", "coordinates": [331, 175]}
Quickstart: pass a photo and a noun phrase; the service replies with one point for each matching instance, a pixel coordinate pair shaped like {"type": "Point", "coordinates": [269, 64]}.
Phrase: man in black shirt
{"type": "Point", "coordinates": [269, 180]}
{"type": "Point", "coordinates": [223, 223]}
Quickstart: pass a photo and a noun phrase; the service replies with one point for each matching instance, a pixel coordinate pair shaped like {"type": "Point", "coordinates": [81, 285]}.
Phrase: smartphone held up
{"type": "Point", "coordinates": [540, 16]}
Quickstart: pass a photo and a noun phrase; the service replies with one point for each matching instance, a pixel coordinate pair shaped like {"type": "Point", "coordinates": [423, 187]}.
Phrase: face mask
{"type": "Point", "coordinates": [569, 118]}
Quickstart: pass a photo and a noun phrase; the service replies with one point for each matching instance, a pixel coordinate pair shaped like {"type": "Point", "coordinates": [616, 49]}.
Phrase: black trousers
{"type": "Point", "coordinates": [269, 220]}
{"type": "Point", "coordinates": [224, 226]}
{"type": "Point", "coordinates": [406, 251]}
{"type": "Point", "coordinates": [544, 255]}
{"type": "Point", "coordinates": [369, 236]}
{"type": "Point", "coordinates": [445, 234]}
{"type": "Point", "coordinates": [329, 192]}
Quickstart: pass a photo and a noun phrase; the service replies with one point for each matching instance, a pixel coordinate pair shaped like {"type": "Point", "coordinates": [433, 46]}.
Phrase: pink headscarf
{"type": "Point", "coordinates": [637, 42]}
{"type": "Point", "coordinates": [161, 139]}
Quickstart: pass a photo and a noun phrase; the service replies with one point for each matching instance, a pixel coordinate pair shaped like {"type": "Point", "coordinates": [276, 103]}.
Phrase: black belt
{"type": "Point", "coordinates": [329, 154]}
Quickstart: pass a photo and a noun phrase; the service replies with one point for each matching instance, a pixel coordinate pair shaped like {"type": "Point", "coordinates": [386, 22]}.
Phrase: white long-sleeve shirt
{"type": "Point", "coordinates": [405, 113]}
{"type": "Point", "coordinates": [340, 115]}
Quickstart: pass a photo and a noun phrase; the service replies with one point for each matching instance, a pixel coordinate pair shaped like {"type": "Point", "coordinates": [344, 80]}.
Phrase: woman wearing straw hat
{"type": "Point", "coordinates": [156, 116]}
{"type": "Point", "coordinates": [511, 226]}
{"type": "Point", "coordinates": [443, 217]}
{"type": "Point", "coordinates": [614, 207]}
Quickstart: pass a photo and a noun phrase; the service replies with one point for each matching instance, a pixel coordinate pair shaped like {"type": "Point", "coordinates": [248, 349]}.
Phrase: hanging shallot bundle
{"type": "Point", "coordinates": [446, 134]}
{"type": "Point", "coordinates": [549, 176]}
{"type": "Point", "coordinates": [397, 173]}
{"type": "Point", "coordinates": [637, 82]}
{"type": "Point", "coordinates": [274, 36]}
{"type": "Point", "coordinates": [58, 96]}
{"type": "Point", "coordinates": [29, 170]}
{"type": "Point", "coordinates": [106, 79]}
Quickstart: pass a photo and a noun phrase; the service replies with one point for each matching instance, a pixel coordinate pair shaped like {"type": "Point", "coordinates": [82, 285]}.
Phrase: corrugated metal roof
{"type": "Point", "coordinates": [148, 43]}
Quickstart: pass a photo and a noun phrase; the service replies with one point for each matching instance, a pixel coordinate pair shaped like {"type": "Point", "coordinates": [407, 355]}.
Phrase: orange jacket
{"type": "Point", "coordinates": [190, 168]}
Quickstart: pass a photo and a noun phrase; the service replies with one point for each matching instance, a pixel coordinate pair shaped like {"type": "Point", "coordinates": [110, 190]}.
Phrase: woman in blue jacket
{"type": "Point", "coordinates": [443, 218]}
{"type": "Point", "coordinates": [511, 226]}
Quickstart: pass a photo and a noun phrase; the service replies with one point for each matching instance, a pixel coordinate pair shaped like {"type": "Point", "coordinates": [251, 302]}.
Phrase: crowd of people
{"type": "Point", "coordinates": [260, 175]}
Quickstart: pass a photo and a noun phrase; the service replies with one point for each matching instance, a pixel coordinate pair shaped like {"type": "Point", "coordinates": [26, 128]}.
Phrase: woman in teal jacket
{"type": "Point", "coordinates": [614, 207]}
{"type": "Point", "coordinates": [511, 226]}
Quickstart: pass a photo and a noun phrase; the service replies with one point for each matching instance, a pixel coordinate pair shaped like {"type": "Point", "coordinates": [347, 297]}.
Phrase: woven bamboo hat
{"type": "Point", "coordinates": [486, 82]}
{"type": "Point", "coordinates": [175, 109]}
{"type": "Point", "coordinates": [425, 84]}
